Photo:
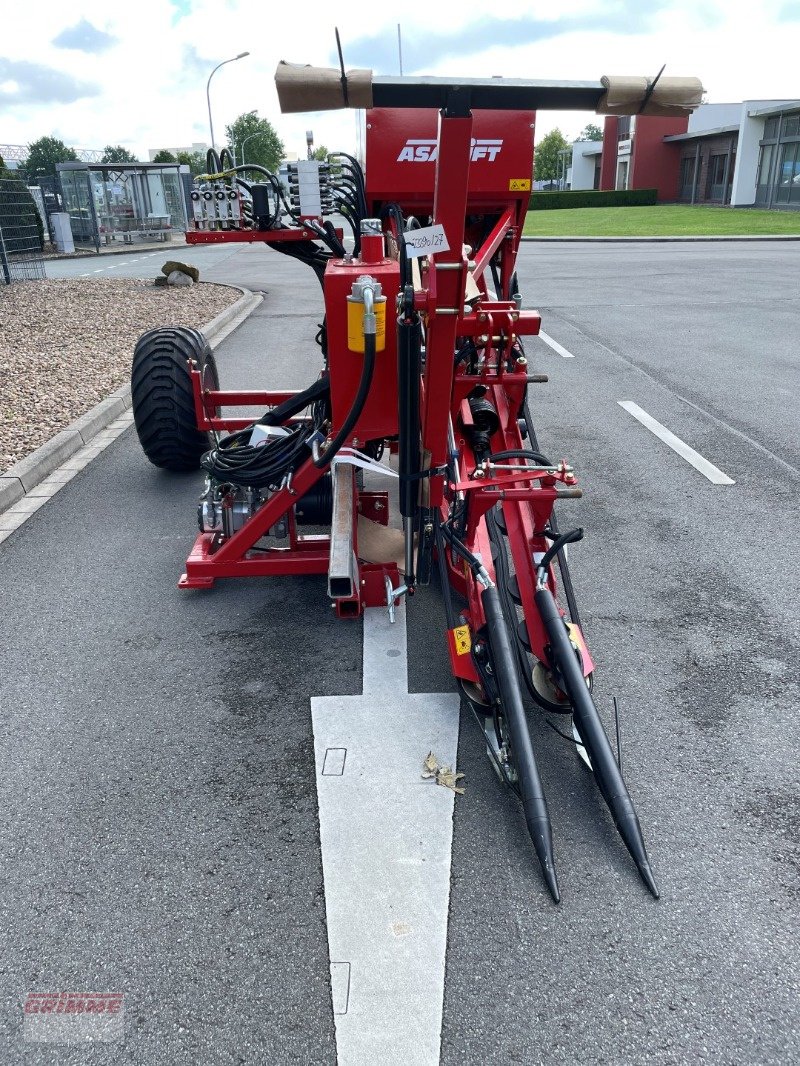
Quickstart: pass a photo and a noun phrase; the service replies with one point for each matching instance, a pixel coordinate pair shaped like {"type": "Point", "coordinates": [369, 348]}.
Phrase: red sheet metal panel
{"type": "Point", "coordinates": [402, 151]}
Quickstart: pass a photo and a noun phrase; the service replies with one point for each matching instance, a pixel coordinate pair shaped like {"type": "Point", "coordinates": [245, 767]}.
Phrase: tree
{"type": "Point", "coordinates": [590, 132]}
{"type": "Point", "coordinates": [115, 153]}
{"type": "Point", "coordinates": [163, 156]}
{"type": "Point", "coordinates": [195, 161]}
{"type": "Point", "coordinates": [43, 156]}
{"type": "Point", "coordinates": [261, 143]}
{"type": "Point", "coordinates": [548, 165]}
{"type": "Point", "coordinates": [320, 153]}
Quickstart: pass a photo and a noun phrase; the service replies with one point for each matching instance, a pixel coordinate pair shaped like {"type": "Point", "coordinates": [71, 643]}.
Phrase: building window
{"type": "Point", "coordinates": [686, 183]}
{"type": "Point", "coordinates": [622, 174]}
{"type": "Point", "coordinates": [764, 173]}
{"type": "Point", "coordinates": [791, 126]}
{"type": "Point", "coordinates": [715, 184]}
{"type": "Point", "coordinates": [765, 164]}
{"type": "Point", "coordinates": [771, 128]}
{"type": "Point", "coordinates": [788, 176]}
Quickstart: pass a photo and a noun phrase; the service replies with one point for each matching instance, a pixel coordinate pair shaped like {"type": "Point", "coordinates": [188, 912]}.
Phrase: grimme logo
{"type": "Point", "coordinates": [73, 1017]}
{"type": "Point", "coordinates": [425, 150]}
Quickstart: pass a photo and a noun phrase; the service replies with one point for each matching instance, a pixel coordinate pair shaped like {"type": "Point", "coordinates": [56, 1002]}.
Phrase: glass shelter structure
{"type": "Point", "coordinates": [112, 202]}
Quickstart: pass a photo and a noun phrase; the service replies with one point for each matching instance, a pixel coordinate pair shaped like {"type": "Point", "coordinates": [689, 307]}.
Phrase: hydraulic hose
{"type": "Point", "coordinates": [364, 384]}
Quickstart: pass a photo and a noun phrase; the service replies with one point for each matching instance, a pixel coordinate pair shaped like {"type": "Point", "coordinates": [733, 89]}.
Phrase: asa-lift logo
{"type": "Point", "coordinates": [426, 150]}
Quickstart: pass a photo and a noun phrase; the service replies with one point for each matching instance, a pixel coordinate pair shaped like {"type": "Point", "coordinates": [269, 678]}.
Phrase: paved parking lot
{"type": "Point", "coordinates": [162, 818]}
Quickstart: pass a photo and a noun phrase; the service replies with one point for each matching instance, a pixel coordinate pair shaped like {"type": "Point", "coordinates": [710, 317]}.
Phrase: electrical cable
{"type": "Point", "coordinates": [235, 461]}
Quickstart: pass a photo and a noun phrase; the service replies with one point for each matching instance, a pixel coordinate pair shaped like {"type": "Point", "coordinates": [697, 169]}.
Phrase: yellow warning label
{"type": "Point", "coordinates": [462, 640]}
{"type": "Point", "coordinates": [519, 185]}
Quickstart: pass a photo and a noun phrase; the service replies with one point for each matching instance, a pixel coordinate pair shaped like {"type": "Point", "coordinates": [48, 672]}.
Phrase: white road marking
{"type": "Point", "coordinates": [85, 275]}
{"type": "Point", "coordinates": [707, 469]}
{"type": "Point", "coordinates": [559, 349]}
{"type": "Point", "coordinates": [99, 270]}
{"type": "Point", "coordinates": [386, 838]}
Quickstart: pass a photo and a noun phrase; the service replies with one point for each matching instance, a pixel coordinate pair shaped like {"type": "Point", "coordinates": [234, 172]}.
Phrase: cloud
{"type": "Point", "coordinates": [84, 37]}
{"type": "Point", "coordinates": [422, 47]}
{"type": "Point", "coordinates": [32, 83]}
{"type": "Point", "coordinates": [193, 63]}
{"type": "Point", "coordinates": [181, 9]}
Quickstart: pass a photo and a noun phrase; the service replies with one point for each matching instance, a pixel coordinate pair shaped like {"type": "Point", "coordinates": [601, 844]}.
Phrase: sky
{"type": "Point", "coordinates": [92, 73]}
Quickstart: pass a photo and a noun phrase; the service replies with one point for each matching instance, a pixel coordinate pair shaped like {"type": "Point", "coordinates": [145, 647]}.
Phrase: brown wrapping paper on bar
{"type": "Point", "coordinates": [307, 88]}
{"type": "Point", "coordinates": [671, 96]}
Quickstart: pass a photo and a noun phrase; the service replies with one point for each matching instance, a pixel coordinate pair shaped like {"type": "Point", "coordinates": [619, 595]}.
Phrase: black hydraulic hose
{"type": "Point", "coordinates": [593, 735]}
{"type": "Point", "coordinates": [409, 348]}
{"type": "Point", "coordinates": [354, 413]}
{"type": "Point", "coordinates": [444, 577]}
{"type": "Point", "coordinates": [461, 549]}
{"type": "Point", "coordinates": [560, 542]}
{"type": "Point", "coordinates": [409, 358]}
{"type": "Point", "coordinates": [286, 410]}
{"type": "Point", "coordinates": [533, 798]}
{"type": "Point", "coordinates": [520, 453]}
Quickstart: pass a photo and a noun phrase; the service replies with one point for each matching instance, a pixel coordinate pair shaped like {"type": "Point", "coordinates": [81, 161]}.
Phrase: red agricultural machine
{"type": "Point", "coordinates": [425, 378]}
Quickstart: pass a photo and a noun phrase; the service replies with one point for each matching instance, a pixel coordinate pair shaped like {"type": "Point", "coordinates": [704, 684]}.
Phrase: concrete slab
{"type": "Point", "coordinates": [386, 839]}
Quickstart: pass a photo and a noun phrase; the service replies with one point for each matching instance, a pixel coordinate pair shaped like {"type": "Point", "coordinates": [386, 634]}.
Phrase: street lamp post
{"type": "Point", "coordinates": [233, 59]}
{"type": "Point", "coordinates": [241, 150]}
{"type": "Point", "coordinates": [258, 133]}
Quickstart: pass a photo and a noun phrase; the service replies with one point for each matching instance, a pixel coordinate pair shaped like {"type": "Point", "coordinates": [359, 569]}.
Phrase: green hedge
{"type": "Point", "coordinates": [554, 201]}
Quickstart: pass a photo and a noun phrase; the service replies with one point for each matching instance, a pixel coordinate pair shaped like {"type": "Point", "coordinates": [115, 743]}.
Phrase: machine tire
{"type": "Point", "coordinates": [162, 398]}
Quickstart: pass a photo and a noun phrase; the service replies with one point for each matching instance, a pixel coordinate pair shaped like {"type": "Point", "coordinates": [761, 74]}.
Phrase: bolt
{"type": "Point", "coordinates": [482, 340]}
{"type": "Point", "coordinates": [522, 361]}
{"type": "Point", "coordinates": [429, 528]}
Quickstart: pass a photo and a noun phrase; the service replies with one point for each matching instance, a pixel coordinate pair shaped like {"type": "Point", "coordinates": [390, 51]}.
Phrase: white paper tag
{"type": "Point", "coordinates": [427, 241]}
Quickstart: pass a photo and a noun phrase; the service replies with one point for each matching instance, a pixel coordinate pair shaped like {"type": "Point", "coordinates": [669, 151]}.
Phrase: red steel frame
{"type": "Point", "coordinates": [527, 498]}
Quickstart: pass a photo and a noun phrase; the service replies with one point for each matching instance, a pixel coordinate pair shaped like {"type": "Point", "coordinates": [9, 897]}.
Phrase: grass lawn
{"type": "Point", "coordinates": [671, 220]}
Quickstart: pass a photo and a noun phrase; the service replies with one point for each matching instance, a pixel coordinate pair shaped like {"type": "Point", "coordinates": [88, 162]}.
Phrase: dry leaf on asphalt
{"type": "Point", "coordinates": [430, 766]}
{"type": "Point", "coordinates": [443, 775]}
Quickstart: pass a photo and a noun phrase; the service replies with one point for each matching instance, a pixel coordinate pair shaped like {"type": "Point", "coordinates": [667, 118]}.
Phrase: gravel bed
{"type": "Point", "coordinates": [65, 345]}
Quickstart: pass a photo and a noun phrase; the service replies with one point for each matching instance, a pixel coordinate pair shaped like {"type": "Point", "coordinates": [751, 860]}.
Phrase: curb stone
{"type": "Point", "coordinates": [25, 475]}
{"type": "Point", "coordinates": [60, 257]}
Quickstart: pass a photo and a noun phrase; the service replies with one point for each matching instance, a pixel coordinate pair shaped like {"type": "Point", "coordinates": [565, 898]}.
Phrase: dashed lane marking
{"type": "Point", "coordinates": [707, 469]}
{"type": "Point", "coordinates": [386, 838]}
{"type": "Point", "coordinates": [558, 348]}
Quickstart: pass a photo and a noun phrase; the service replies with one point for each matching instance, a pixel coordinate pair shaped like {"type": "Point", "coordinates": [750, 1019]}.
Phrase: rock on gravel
{"type": "Point", "coordinates": [65, 345]}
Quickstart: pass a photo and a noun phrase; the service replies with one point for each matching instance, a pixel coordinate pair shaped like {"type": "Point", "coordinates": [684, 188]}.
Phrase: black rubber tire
{"type": "Point", "coordinates": [162, 398]}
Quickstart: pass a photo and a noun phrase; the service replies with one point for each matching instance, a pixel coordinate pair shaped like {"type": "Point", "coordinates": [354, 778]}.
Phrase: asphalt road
{"type": "Point", "coordinates": [161, 832]}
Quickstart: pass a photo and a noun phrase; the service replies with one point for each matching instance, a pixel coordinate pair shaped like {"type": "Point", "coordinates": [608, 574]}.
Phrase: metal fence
{"type": "Point", "coordinates": [20, 234]}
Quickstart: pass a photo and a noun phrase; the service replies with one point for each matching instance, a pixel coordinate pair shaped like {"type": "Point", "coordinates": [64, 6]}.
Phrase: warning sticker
{"type": "Point", "coordinates": [462, 640]}
{"type": "Point", "coordinates": [519, 185]}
